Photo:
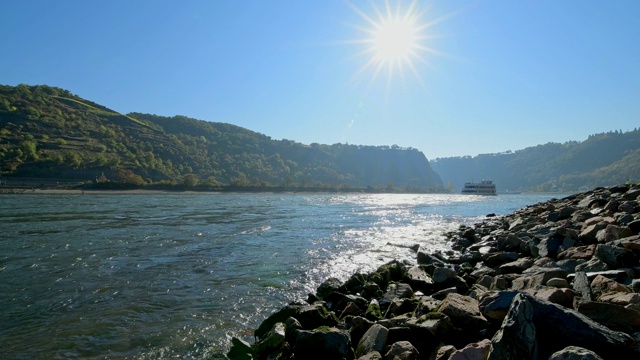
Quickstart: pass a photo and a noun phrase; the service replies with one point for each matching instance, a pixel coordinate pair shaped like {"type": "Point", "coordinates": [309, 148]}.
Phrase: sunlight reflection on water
{"type": "Point", "coordinates": [161, 276]}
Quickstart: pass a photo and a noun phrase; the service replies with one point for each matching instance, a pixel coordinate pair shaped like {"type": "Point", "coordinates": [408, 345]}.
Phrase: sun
{"type": "Point", "coordinates": [394, 39]}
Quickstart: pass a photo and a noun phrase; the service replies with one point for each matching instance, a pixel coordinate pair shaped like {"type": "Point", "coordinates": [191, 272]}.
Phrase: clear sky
{"type": "Point", "coordinates": [449, 78]}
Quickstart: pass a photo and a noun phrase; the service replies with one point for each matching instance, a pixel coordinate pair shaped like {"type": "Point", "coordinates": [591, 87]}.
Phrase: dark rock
{"type": "Point", "coordinates": [314, 316]}
{"type": "Point", "coordinates": [272, 340]}
{"type": "Point", "coordinates": [329, 343]}
{"type": "Point", "coordinates": [240, 350]}
{"type": "Point", "coordinates": [291, 329]}
{"type": "Point", "coordinates": [398, 333]}
{"type": "Point", "coordinates": [327, 287]}
{"type": "Point", "coordinates": [357, 326]}
{"type": "Point", "coordinates": [494, 305]}
{"type": "Point", "coordinates": [634, 226]}
{"type": "Point", "coordinates": [443, 275]}
{"type": "Point", "coordinates": [558, 327]}
{"type": "Point", "coordinates": [279, 316]}
{"type": "Point", "coordinates": [615, 256]}
{"type": "Point", "coordinates": [516, 338]}
{"type": "Point", "coordinates": [516, 267]}
{"type": "Point", "coordinates": [374, 339]}
{"type": "Point", "coordinates": [574, 353]}
{"type": "Point", "coordinates": [568, 265]}
{"type": "Point", "coordinates": [425, 258]}
{"type": "Point", "coordinates": [548, 247]}
{"type": "Point", "coordinates": [499, 258]}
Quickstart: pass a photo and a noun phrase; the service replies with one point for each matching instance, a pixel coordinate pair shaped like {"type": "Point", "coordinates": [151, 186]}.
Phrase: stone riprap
{"type": "Point", "coordinates": [554, 280]}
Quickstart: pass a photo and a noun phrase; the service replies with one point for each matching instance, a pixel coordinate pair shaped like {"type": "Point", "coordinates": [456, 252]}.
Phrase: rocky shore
{"type": "Point", "coordinates": [555, 280]}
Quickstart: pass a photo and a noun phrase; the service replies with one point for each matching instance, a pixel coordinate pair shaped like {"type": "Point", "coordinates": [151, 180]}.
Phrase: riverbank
{"type": "Point", "coordinates": [547, 281]}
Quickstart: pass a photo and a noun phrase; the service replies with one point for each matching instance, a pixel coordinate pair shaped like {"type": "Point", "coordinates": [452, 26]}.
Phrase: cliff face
{"type": "Point", "coordinates": [47, 132]}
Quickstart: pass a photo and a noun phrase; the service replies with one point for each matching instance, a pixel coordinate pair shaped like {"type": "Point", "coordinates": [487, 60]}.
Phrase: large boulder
{"type": "Point", "coordinates": [374, 339]}
{"type": "Point", "coordinates": [463, 312]}
{"type": "Point", "coordinates": [328, 286]}
{"type": "Point", "coordinates": [279, 316]}
{"type": "Point", "coordinates": [474, 351]}
{"type": "Point", "coordinates": [316, 315]}
{"type": "Point", "coordinates": [272, 341]}
{"type": "Point", "coordinates": [615, 317]}
{"type": "Point", "coordinates": [402, 350]}
{"type": "Point", "coordinates": [615, 256]}
{"type": "Point", "coordinates": [323, 343]}
{"type": "Point", "coordinates": [516, 338]}
{"type": "Point", "coordinates": [574, 353]}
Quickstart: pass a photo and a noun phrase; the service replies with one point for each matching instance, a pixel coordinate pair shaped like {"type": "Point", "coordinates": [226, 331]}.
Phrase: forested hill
{"type": "Point", "coordinates": [602, 160]}
{"type": "Point", "coordinates": [48, 132]}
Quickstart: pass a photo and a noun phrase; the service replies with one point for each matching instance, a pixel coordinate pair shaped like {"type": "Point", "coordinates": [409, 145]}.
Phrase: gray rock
{"type": "Point", "coordinates": [574, 353]}
{"type": "Point", "coordinates": [374, 339]}
{"type": "Point", "coordinates": [418, 277]}
{"type": "Point", "coordinates": [374, 355]}
{"type": "Point", "coordinates": [582, 286]}
{"type": "Point", "coordinates": [549, 247]}
{"type": "Point", "coordinates": [558, 282]}
{"type": "Point", "coordinates": [464, 312]}
{"type": "Point", "coordinates": [443, 274]}
{"type": "Point", "coordinates": [402, 350]}
{"type": "Point", "coordinates": [516, 338]}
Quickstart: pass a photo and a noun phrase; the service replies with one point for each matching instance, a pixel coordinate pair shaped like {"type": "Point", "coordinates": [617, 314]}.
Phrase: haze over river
{"type": "Point", "coordinates": [176, 275]}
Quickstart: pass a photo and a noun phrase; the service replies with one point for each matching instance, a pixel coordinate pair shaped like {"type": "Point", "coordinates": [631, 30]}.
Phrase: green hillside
{"type": "Point", "coordinates": [50, 133]}
{"type": "Point", "coordinates": [602, 160]}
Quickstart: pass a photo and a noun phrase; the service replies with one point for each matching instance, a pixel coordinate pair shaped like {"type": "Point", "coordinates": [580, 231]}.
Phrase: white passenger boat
{"type": "Point", "coordinates": [484, 187]}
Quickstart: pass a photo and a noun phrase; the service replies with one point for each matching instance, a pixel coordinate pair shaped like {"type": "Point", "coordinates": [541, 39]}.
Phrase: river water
{"type": "Point", "coordinates": [177, 275]}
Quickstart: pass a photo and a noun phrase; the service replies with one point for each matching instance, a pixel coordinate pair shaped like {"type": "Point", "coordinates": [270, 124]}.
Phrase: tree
{"type": "Point", "coordinates": [128, 177]}
{"type": "Point", "coordinates": [190, 180]}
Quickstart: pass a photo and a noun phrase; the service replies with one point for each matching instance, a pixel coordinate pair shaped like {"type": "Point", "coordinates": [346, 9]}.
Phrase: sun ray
{"type": "Point", "coordinates": [394, 40]}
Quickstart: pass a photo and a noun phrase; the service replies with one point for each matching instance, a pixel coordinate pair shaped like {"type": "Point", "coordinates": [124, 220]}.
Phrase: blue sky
{"type": "Point", "coordinates": [488, 76]}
